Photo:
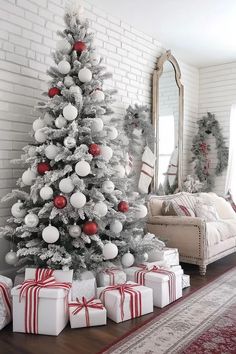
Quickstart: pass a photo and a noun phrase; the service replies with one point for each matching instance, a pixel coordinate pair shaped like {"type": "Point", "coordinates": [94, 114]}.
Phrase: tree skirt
{"type": "Point", "coordinates": [204, 323]}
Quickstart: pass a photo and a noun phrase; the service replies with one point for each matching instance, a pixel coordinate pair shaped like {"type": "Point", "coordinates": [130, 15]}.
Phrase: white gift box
{"type": "Point", "coordinates": [97, 316]}
{"type": "Point", "coordinates": [185, 281]}
{"type": "Point", "coordinates": [5, 301]}
{"type": "Point", "coordinates": [163, 292]}
{"type": "Point", "coordinates": [52, 305]}
{"type": "Point", "coordinates": [111, 276]}
{"type": "Point", "coordinates": [169, 255]}
{"type": "Point", "coordinates": [84, 287]}
{"type": "Point", "coordinates": [112, 302]}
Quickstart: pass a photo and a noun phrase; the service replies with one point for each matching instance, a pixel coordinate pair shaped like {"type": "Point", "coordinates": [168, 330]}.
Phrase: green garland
{"type": "Point", "coordinates": [200, 149]}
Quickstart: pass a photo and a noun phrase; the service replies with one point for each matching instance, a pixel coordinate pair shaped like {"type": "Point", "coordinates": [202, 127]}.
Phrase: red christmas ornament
{"type": "Point", "coordinates": [43, 167]}
{"type": "Point", "coordinates": [123, 206]}
{"type": "Point", "coordinates": [90, 228]}
{"type": "Point", "coordinates": [79, 46]}
{"type": "Point", "coordinates": [94, 149]}
{"type": "Point", "coordinates": [53, 91]}
{"type": "Point", "coordinates": [59, 201]}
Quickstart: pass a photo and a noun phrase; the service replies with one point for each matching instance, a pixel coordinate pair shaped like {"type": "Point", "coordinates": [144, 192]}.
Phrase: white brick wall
{"type": "Point", "coordinates": [28, 33]}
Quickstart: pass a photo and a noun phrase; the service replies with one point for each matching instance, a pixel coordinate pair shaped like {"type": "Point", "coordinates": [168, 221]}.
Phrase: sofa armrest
{"type": "Point", "coordinates": [176, 220]}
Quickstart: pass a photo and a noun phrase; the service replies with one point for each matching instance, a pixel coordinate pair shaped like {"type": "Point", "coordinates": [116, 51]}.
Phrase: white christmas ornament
{"type": "Point", "coordinates": [11, 258]}
{"type": "Point", "coordinates": [141, 211]}
{"type": "Point", "coordinates": [78, 200]}
{"type": "Point", "coordinates": [112, 133]}
{"type": "Point", "coordinates": [127, 260]}
{"type": "Point", "coordinates": [100, 209]}
{"type": "Point", "coordinates": [60, 122]}
{"type": "Point", "coordinates": [70, 112]}
{"type": "Point", "coordinates": [98, 96]}
{"type": "Point", "coordinates": [51, 151]}
{"type": "Point", "coordinates": [64, 67]}
{"type": "Point", "coordinates": [40, 136]}
{"type": "Point", "coordinates": [68, 81]}
{"type": "Point", "coordinates": [106, 152]}
{"type": "Point", "coordinates": [63, 46]}
{"type": "Point", "coordinates": [28, 177]}
{"type": "Point", "coordinates": [69, 142]}
{"type": "Point", "coordinates": [66, 185]}
{"type": "Point", "coordinates": [76, 90]}
{"type": "Point", "coordinates": [46, 193]}
{"type": "Point", "coordinates": [94, 58]}
{"type": "Point", "coordinates": [17, 210]}
{"type": "Point", "coordinates": [31, 220]}
{"type": "Point", "coordinates": [110, 251]}
{"type": "Point", "coordinates": [120, 171]}
{"type": "Point", "coordinates": [38, 124]}
{"type": "Point", "coordinates": [74, 230]}
{"type": "Point", "coordinates": [116, 226]}
{"type": "Point", "coordinates": [50, 234]}
{"type": "Point", "coordinates": [141, 258]}
{"type": "Point", "coordinates": [82, 168]}
{"type": "Point", "coordinates": [85, 75]}
{"type": "Point", "coordinates": [108, 186]}
{"type": "Point", "coordinates": [97, 125]}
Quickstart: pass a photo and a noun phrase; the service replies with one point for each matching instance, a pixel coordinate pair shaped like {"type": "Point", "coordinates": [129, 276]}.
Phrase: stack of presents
{"type": "Point", "coordinates": [44, 300]}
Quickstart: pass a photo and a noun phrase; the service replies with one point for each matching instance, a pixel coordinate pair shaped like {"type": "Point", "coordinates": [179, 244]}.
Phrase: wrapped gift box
{"type": "Point", "coordinates": [5, 301]}
{"type": "Point", "coordinates": [185, 281]}
{"type": "Point", "coordinates": [87, 313]}
{"type": "Point", "coordinates": [169, 255]}
{"type": "Point", "coordinates": [111, 276]}
{"type": "Point", "coordinates": [51, 315]}
{"type": "Point", "coordinates": [165, 283]}
{"type": "Point", "coordinates": [85, 286]}
{"type": "Point", "coordinates": [126, 301]}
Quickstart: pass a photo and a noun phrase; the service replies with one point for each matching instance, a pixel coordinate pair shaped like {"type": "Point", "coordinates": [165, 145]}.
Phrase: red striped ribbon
{"type": "Point", "coordinates": [111, 273]}
{"type": "Point", "coordinates": [135, 304]}
{"type": "Point", "coordinates": [44, 278]}
{"type": "Point", "coordinates": [86, 305]}
{"type": "Point", "coordinates": [140, 276]}
{"type": "Point", "coordinates": [5, 294]}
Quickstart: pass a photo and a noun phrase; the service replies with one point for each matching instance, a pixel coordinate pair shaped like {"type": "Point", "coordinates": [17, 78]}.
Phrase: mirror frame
{"type": "Point", "coordinates": [167, 56]}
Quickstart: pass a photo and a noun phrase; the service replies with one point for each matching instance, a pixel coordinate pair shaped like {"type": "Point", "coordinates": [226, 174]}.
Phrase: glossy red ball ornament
{"type": "Point", "coordinates": [79, 46]}
{"type": "Point", "coordinates": [53, 91]}
{"type": "Point", "coordinates": [43, 167]}
{"type": "Point", "coordinates": [90, 228]}
{"type": "Point", "coordinates": [123, 206]}
{"type": "Point", "coordinates": [60, 201]}
{"type": "Point", "coordinates": [94, 149]}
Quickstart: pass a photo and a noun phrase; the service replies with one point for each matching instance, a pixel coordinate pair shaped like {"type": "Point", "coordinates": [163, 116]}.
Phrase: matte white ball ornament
{"type": "Point", "coordinates": [64, 67]}
{"type": "Point", "coordinates": [11, 258]}
{"type": "Point", "coordinates": [97, 125]}
{"type": "Point", "coordinates": [116, 226]}
{"type": "Point", "coordinates": [106, 152]}
{"type": "Point", "coordinates": [108, 186]}
{"type": "Point", "coordinates": [69, 142]}
{"type": "Point", "coordinates": [40, 136]}
{"type": "Point", "coordinates": [60, 122]}
{"type": "Point", "coordinates": [78, 200]}
{"type": "Point", "coordinates": [82, 168]}
{"type": "Point", "coordinates": [141, 211]}
{"type": "Point", "coordinates": [70, 112]}
{"type": "Point", "coordinates": [38, 124]}
{"type": "Point", "coordinates": [63, 46]}
{"type": "Point", "coordinates": [76, 90]}
{"type": "Point", "coordinates": [110, 250]}
{"type": "Point", "coordinates": [112, 133]}
{"type": "Point", "coordinates": [66, 185]}
{"type": "Point", "coordinates": [98, 95]}
{"type": "Point", "coordinates": [46, 193]}
{"type": "Point", "coordinates": [51, 151]}
{"type": "Point", "coordinates": [28, 177]}
{"type": "Point", "coordinates": [68, 81]}
{"type": "Point", "coordinates": [141, 258]}
{"type": "Point", "coordinates": [120, 171]}
{"type": "Point", "coordinates": [94, 58]}
{"type": "Point", "coordinates": [17, 210]}
{"type": "Point", "coordinates": [31, 220]}
{"type": "Point", "coordinates": [100, 209]}
{"type": "Point", "coordinates": [74, 231]}
{"type": "Point", "coordinates": [127, 260]}
{"type": "Point", "coordinates": [85, 75]}
{"type": "Point", "coordinates": [50, 234]}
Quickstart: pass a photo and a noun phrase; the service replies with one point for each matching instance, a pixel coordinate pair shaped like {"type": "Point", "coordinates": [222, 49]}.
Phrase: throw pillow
{"type": "Point", "coordinates": [206, 212]}
{"type": "Point", "coordinates": [173, 208]}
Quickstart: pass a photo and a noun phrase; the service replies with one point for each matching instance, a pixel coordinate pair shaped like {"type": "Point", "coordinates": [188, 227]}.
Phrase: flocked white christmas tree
{"type": "Point", "coordinates": [75, 207]}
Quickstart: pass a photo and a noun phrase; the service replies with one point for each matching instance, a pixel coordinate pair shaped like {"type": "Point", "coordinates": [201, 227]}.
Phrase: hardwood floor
{"type": "Point", "coordinates": [94, 339]}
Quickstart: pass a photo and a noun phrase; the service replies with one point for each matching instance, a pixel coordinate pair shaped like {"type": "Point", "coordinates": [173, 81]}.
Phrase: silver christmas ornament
{"type": "Point", "coordinates": [11, 258]}
{"type": "Point", "coordinates": [108, 186]}
{"type": "Point", "coordinates": [31, 220]}
{"type": "Point", "coordinates": [69, 142]}
{"type": "Point", "coordinates": [17, 210]}
{"type": "Point", "coordinates": [74, 230]}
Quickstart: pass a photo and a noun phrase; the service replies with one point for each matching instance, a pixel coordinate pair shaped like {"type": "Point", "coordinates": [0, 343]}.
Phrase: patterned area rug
{"type": "Point", "coordinates": [204, 323]}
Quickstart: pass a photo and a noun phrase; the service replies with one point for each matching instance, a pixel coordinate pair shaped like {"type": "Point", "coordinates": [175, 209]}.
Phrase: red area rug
{"type": "Point", "coordinates": [203, 323]}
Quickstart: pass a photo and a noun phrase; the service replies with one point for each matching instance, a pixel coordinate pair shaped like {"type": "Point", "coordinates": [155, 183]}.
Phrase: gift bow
{"type": "Point", "coordinates": [84, 304]}
{"type": "Point", "coordinates": [135, 298]}
{"type": "Point", "coordinates": [6, 298]}
{"type": "Point", "coordinates": [44, 278]}
{"type": "Point", "coordinates": [110, 272]}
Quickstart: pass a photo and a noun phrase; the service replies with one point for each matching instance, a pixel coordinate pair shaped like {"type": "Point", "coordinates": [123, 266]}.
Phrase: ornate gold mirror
{"type": "Point", "coordinates": [167, 119]}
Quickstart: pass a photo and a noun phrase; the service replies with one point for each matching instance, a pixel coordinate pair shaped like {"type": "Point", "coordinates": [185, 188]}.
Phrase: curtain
{"type": "Point", "coordinates": [231, 171]}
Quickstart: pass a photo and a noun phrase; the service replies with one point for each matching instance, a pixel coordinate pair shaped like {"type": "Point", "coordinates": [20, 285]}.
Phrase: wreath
{"type": "Point", "coordinates": [200, 149]}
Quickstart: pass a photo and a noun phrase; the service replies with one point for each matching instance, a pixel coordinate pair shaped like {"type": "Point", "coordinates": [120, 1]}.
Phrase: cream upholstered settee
{"type": "Point", "coordinates": [198, 241]}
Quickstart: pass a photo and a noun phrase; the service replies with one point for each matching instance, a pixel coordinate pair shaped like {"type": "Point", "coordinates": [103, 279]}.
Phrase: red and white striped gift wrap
{"type": "Point", "coordinates": [5, 301]}
{"type": "Point", "coordinates": [111, 276]}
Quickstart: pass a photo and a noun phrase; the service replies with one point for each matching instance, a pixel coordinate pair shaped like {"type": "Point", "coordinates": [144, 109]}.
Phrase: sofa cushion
{"type": "Point", "coordinates": [173, 208]}
{"type": "Point", "coordinates": [206, 211]}
{"type": "Point", "coordinates": [220, 230]}
{"type": "Point", "coordinates": [223, 208]}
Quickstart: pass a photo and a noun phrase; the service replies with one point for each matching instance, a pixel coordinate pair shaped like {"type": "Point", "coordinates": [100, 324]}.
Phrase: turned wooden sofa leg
{"type": "Point", "coordinates": [202, 269]}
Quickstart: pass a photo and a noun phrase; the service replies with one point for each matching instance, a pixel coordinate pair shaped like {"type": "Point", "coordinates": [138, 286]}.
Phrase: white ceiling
{"type": "Point", "coordinates": [200, 32]}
